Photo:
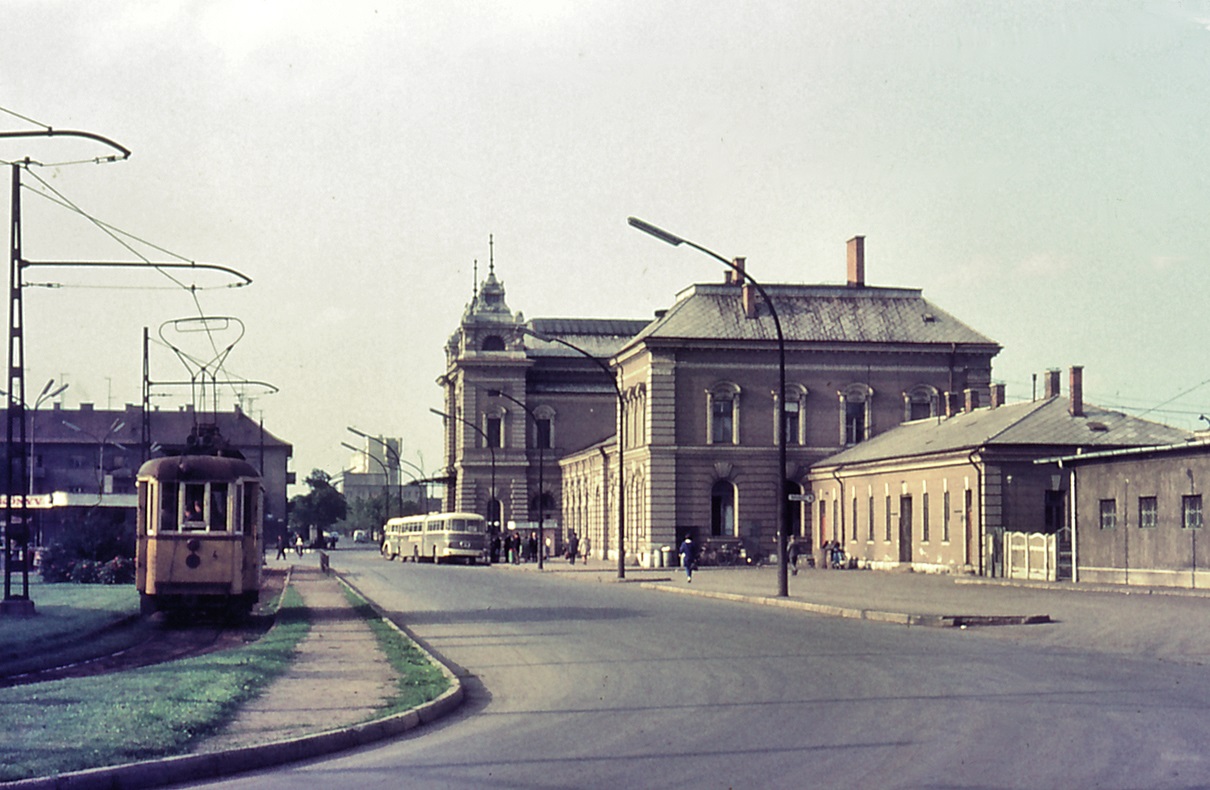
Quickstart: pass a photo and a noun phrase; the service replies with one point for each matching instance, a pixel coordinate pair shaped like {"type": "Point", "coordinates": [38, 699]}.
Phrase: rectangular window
{"type": "Point", "coordinates": [721, 431]}
{"type": "Point", "coordinates": [853, 529]}
{"type": "Point", "coordinates": [493, 432]}
{"type": "Point", "coordinates": [1147, 508]}
{"type": "Point", "coordinates": [195, 506]}
{"type": "Point", "coordinates": [854, 422]}
{"type": "Point", "coordinates": [924, 506]}
{"type": "Point", "coordinates": [887, 537]}
{"type": "Point", "coordinates": [543, 431]}
{"type": "Point", "coordinates": [1191, 511]}
{"type": "Point", "coordinates": [870, 516]}
{"type": "Point", "coordinates": [945, 517]}
{"type": "Point", "coordinates": [1109, 514]}
{"type": "Point", "coordinates": [218, 507]}
{"type": "Point", "coordinates": [168, 506]}
{"type": "Point", "coordinates": [792, 423]}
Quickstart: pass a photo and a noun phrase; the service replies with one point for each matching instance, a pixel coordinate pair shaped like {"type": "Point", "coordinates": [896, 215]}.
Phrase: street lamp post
{"type": "Point", "coordinates": [541, 466]}
{"type": "Point", "coordinates": [671, 238]}
{"type": "Point", "coordinates": [621, 442]}
{"type": "Point", "coordinates": [46, 394]}
{"type": "Point", "coordinates": [101, 441]}
{"type": "Point", "coordinates": [493, 505]}
{"type": "Point", "coordinates": [391, 451]}
{"type": "Point", "coordinates": [386, 479]}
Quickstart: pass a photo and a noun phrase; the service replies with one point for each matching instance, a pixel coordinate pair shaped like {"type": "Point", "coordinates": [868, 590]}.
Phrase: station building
{"type": "Point", "coordinates": [697, 385]}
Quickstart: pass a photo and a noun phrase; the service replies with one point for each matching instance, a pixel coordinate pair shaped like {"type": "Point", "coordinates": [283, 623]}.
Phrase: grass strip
{"type": "Point", "coordinates": [157, 711]}
{"type": "Point", "coordinates": [74, 622]}
{"type": "Point", "coordinates": [419, 679]}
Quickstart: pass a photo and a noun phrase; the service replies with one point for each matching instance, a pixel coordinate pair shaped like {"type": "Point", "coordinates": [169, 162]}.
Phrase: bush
{"type": "Point", "coordinates": [98, 550]}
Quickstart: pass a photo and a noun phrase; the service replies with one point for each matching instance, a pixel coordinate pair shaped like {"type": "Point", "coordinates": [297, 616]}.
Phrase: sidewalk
{"type": "Point", "coordinates": [339, 676]}
{"type": "Point", "coordinates": [1167, 623]}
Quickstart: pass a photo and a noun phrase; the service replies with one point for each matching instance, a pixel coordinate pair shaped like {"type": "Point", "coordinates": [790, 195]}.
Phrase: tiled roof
{"type": "Point", "coordinates": [1043, 423]}
{"type": "Point", "coordinates": [601, 337]}
{"type": "Point", "coordinates": [814, 313]}
{"type": "Point", "coordinates": [167, 427]}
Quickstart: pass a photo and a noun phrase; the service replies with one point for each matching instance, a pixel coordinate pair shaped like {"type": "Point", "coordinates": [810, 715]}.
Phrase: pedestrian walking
{"type": "Point", "coordinates": [281, 546]}
{"type": "Point", "coordinates": [793, 557]}
{"type": "Point", "coordinates": [573, 548]}
{"type": "Point", "coordinates": [298, 544]}
{"type": "Point", "coordinates": [687, 557]}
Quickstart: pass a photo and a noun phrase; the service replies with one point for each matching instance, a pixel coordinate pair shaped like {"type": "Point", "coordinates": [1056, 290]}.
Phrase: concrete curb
{"type": "Point", "coordinates": [897, 618]}
{"type": "Point", "coordinates": [213, 765]}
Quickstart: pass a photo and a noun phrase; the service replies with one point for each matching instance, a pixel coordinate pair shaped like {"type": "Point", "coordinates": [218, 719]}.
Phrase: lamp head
{"type": "Point", "coordinates": [493, 393]}
{"type": "Point", "coordinates": [652, 230]}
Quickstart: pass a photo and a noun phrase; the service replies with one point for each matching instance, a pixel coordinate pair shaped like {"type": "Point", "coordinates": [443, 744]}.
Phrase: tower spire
{"type": "Point", "coordinates": [475, 281]}
{"type": "Point", "coordinates": [491, 253]}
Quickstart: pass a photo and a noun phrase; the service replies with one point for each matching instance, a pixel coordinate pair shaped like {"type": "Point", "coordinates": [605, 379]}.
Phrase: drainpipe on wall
{"type": "Point", "coordinates": [839, 525]}
{"type": "Point", "coordinates": [978, 503]}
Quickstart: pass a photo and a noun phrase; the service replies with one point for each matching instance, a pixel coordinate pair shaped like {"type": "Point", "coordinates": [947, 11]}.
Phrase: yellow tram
{"type": "Point", "coordinates": [199, 534]}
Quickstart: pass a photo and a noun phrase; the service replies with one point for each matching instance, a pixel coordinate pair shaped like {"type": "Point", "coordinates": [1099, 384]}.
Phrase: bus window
{"type": "Point", "coordinates": [195, 501]}
{"type": "Point", "coordinates": [168, 507]}
{"type": "Point", "coordinates": [218, 507]}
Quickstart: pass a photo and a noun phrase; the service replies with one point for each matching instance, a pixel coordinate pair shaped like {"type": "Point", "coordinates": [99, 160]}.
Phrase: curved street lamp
{"type": "Point", "coordinates": [386, 477]}
{"type": "Point", "coordinates": [493, 505]}
{"type": "Point", "coordinates": [541, 466]}
{"type": "Point", "coordinates": [390, 451]}
{"type": "Point", "coordinates": [621, 441]}
{"type": "Point", "coordinates": [671, 238]}
{"type": "Point", "coordinates": [116, 426]}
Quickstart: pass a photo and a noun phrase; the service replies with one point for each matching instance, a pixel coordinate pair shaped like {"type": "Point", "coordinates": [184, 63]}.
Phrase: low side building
{"type": "Point", "coordinates": [938, 495]}
{"type": "Point", "coordinates": [1138, 514]}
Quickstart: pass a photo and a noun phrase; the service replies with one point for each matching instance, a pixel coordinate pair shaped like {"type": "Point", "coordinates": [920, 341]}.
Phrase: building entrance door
{"type": "Point", "coordinates": [905, 529]}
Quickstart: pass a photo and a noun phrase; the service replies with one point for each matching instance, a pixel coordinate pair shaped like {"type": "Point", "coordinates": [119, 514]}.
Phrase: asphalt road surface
{"type": "Point", "coordinates": [577, 684]}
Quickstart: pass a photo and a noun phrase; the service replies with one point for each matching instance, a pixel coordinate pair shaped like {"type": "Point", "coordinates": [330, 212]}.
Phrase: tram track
{"type": "Point", "coordinates": [160, 639]}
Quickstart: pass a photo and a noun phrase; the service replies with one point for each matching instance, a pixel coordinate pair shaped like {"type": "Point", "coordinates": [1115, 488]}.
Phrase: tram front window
{"type": "Point", "coordinates": [218, 507]}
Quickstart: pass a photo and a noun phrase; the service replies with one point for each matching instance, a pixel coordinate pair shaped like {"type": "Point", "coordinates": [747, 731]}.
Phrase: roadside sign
{"type": "Point", "coordinates": [802, 498]}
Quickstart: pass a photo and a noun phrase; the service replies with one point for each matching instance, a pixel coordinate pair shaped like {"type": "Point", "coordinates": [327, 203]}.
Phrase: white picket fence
{"type": "Point", "coordinates": [1031, 555]}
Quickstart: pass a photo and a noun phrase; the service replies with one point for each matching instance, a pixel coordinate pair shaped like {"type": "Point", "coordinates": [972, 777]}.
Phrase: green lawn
{"type": "Point", "coordinates": [73, 622]}
{"type": "Point", "coordinates": [69, 725]}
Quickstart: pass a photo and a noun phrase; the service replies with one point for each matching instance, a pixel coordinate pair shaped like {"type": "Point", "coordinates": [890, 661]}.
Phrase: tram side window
{"type": "Point", "coordinates": [218, 507]}
{"type": "Point", "coordinates": [168, 508]}
{"type": "Point", "coordinates": [195, 503]}
{"type": "Point", "coordinates": [248, 516]}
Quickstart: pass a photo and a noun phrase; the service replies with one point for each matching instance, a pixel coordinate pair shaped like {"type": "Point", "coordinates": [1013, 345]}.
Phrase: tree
{"type": "Point", "coordinates": [319, 508]}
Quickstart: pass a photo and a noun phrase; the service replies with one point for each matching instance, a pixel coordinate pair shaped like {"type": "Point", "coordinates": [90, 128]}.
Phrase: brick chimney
{"type": "Point", "coordinates": [952, 404]}
{"type": "Point", "coordinates": [733, 277]}
{"type": "Point", "coordinates": [997, 395]}
{"type": "Point", "coordinates": [856, 257]}
{"type": "Point", "coordinates": [971, 398]}
{"type": "Point", "coordinates": [1052, 383]}
{"type": "Point", "coordinates": [748, 296]}
{"type": "Point", "coordinates": [1076, 390]}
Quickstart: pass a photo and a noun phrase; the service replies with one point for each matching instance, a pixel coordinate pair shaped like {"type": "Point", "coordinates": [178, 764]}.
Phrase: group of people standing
{"type": "Point", "coordinates": [511, 547]}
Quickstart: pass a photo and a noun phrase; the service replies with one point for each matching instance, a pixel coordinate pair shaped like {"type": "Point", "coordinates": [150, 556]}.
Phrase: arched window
{"type": "Point", "coordinates": [722, 509]}
{"type": "Point", "coordinates": [722, 413]}
{"type": "Point", "coordinates": [920, 403]}
{"type": "Point", "coordinates": [796, 414]}
{"type": "Point", "coordinates": [855, 413]}
{"type": "Point", "coordinates": [544, 427]}
{"type": "Point", "coordinates": [492, 343]}
{"type": "Point", "coordinates": [493, 426]}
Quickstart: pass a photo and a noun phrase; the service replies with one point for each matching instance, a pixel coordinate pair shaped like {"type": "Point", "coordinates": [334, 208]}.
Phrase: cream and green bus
{"type": "Point", "coordinates": [436, 537]}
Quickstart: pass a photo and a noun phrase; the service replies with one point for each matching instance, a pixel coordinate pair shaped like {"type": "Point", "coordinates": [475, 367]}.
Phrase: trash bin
{"type": "Point", "coordinates": [666, 560]}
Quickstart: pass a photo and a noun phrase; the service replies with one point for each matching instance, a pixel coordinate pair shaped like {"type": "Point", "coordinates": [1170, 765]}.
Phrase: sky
{"type": "Point", "coordinates": [1039, 169]}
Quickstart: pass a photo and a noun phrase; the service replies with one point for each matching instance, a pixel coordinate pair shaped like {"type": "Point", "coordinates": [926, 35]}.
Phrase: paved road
{"type": "Point", "coordinates": [607, 685]}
